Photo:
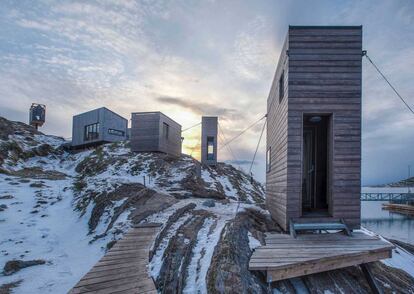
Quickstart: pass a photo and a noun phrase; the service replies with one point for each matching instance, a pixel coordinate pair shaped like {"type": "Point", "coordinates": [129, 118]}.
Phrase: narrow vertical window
{"type": "Point", "coordinates": [281, 86]}
{"type": "Point", "coordinates": [165, 130]}
{"type": "Point", "coordinates": [268, 159]}
{"type": "Point", "coordinates": [210, 148]}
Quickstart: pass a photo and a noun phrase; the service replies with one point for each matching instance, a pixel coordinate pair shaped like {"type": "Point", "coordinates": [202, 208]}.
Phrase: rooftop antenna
{"type": "Point", "coordinates": [37, 115]}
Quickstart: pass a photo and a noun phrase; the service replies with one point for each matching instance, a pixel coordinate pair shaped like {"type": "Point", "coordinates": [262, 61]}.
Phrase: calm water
{"type": "Point", "coordinates": [389, 224]}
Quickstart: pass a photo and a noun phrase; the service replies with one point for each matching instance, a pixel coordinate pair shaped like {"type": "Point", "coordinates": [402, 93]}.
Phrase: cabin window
{"type": "Point", "coordinates": [268, 159]}
{"type": "Point", "coordinates": [165, 130]}
{"type": "Point", "coordinates": [91, 132]}
{"type": "Point", "coordinates": [116, 132]}
{"type": "Point", "coordinates": [210, 148]}
{"type": "Point", "coordinates": [281, 86]}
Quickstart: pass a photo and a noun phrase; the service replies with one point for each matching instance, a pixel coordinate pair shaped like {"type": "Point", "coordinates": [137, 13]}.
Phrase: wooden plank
{"type": "Point", "coordinates": [116, 285]}
{"type": "Point", "coordinates": [134, 268]}
{"type": "Point", "coordinates": [273, 252]}
{"type": "Point", "coordinates": [124, 268]}
{"type": "Point", "coordinates": [115, 266]}
{"type": "Point", "coordinates": [116, 251]}
{"type": "Point", "coordinates": [108, 278]}
{"type": "Point", "coordinates": [275, 265]}
{"type": "Point", "coordinates": [318, 266]}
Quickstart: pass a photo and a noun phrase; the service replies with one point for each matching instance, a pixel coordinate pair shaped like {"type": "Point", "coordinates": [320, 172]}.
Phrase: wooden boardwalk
{"type": "Point", "coordinates": [123, 269]}
{"type": "Point", "coordinates": [285, 257]}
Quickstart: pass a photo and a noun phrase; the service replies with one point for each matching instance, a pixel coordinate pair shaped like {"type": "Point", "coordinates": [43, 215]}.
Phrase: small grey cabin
{"type": "Point", "coordinates": [155, 132]}
{"type": "Point", "coordinates": [209, 140]}
{"type": "Point", "coordinates": [314, 127]}
{"type": "Point", "coordinates": [98, 126]}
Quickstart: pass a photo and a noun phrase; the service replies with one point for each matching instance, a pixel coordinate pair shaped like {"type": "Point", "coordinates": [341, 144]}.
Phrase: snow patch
{"type": "Point", "coordinates": [253, 242]}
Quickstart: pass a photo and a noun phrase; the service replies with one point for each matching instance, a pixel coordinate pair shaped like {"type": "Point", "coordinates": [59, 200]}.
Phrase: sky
{"type": "Point", "coordinates": [194, 58]}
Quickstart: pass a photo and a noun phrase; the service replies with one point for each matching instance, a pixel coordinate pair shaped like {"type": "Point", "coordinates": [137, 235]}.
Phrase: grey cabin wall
{"type": "Point", "coordinates": [106, 118]}
{"type": "Point", "coordinates": [111, 120]}
{"type": "Point", "coordinates": [147, 133]}
{"type": "Point", "coordinates": [323, 76]}
{"type": "Point", "coordinates": [82, 120]}
{"type": "Point", "coordinates": [208, 129]}
{"type": "Point", "coordinates": [172, 144]}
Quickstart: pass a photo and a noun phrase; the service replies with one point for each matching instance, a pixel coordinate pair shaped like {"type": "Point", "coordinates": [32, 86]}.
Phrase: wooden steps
{"type": "Point", "coordinates": [310, 225]}
{"type": "Point", "coordinates": [123, 269]}
{"type": "Point", "coordinates": [285, 257]}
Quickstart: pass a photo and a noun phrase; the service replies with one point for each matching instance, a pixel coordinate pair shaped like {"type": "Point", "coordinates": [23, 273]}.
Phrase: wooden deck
{"type": "Point", "coordinates": [285, 257]}
{"type": "Point", "coordinates": [123, 269]}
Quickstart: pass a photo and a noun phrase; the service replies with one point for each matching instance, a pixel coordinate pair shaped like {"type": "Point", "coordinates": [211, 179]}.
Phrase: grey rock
{"type": "Point", "coordinates": [209, 203]}
{"type": "Point", "coordinates": [14, 266]}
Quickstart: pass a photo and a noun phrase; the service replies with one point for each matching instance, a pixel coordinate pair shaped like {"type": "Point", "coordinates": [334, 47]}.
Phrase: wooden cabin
{"type": "Point", "coordinates": [314, 127]}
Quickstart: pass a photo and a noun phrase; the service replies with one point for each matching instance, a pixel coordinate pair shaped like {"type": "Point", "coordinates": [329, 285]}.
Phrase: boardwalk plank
{"type": "Point", "coordinates": [124, 269]}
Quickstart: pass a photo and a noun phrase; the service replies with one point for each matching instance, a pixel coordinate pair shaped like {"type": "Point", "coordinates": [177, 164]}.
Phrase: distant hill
{"type": "Point", "coordinates": [409, 182]}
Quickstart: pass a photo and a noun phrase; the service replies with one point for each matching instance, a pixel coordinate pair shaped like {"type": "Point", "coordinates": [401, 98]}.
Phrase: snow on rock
{"type": "Point", "coordinates": [156, 261]}
{"type": "Point", "coordinates": [253, 242]}
{"type": "Point", "coordinates": [401, 259]}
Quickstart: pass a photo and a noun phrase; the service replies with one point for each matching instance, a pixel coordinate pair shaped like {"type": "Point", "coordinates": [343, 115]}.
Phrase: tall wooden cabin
{"type": "Point", "coordinates": [314, 127]}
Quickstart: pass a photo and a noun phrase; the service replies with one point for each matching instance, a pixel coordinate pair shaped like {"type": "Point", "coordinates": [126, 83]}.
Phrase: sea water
{"type": "Point", "coordinates": [389, 224]}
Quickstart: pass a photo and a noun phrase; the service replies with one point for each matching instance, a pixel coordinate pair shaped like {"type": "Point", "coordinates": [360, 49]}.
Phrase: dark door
{"type": "Point", "coordinates": [308, 178]}
{"type": "Point", "coordinates": [315, 165]}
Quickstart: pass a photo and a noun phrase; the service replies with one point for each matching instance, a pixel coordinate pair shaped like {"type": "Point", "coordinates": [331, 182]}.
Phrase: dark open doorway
{"type": "Point", "coordinates": [315, 173]}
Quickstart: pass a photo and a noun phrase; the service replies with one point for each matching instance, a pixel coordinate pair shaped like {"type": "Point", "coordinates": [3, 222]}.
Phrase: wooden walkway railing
{"type": "Point", "coordinates": [123, 269]}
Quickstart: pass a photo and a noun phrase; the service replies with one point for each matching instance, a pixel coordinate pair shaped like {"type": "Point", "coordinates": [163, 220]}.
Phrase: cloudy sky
{"type": "Point", "coordinates": [193, 58]}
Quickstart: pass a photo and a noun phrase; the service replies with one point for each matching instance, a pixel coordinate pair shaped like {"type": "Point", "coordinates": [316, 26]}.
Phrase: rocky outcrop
{"type": "Point", "coordinates": [177, 256]}
{"type": "Point", "coordinates": [14, 266]}
{"type": "Point", "coordinates": [228, 271]}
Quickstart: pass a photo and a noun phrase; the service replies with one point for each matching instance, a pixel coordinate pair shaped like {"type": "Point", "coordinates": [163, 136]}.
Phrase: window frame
{"type": "Point", "coordinates": [210, 142]}
{"type": "Point", "coordinates": [268, 159]}
{"type": "Point", "coordinates": [165, 130]}
{"type": "Point", "coordinates": [91, 132]}
{"type": "Point", "coordinates": [116, 132]}
{"type": "Point", "coordinates": [281, 86]}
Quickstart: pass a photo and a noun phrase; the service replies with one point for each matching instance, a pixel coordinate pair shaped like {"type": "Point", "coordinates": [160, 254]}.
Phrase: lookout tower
{"type": "Point", "coordinates": [209, 140]}
{"type": "Point", "coordinates": [314, 127]}
{"type": "Point", "coordinates": [37, 115]}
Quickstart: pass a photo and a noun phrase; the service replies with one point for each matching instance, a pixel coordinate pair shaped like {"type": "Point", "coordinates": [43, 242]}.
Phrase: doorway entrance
{"type": "Point", "coordinates": [315, 167]}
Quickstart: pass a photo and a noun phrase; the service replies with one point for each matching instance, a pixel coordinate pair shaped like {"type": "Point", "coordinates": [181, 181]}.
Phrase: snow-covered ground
{"type": "Point", "coordinates": [54, 233]}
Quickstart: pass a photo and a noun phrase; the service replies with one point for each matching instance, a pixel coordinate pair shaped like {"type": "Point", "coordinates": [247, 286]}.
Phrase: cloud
{"type": "Point", "coordinates": [193, 58]}
{"type": "Point", "coordinates": [202, 108]}
{"type": "Point", "coordinates": [240, 162]}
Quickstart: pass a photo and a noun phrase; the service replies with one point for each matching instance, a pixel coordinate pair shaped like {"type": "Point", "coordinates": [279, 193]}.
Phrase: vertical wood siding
{"type": "Point", "coordinates": [323, 76]}
{"type": "Point", "coordinates": [277, 117]}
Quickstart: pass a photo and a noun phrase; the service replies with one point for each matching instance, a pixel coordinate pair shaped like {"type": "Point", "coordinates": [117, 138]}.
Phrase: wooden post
{"type": "Point", "coordinates": [370, 278]}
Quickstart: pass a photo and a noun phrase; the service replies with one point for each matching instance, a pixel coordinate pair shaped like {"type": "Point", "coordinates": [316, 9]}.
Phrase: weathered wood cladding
{"type": "Point", "coordinates": [147, 133]}
{"type": "Point", "coordinates": [322, 68]}
{"type": "Point", "coordinates": [276, 177]}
